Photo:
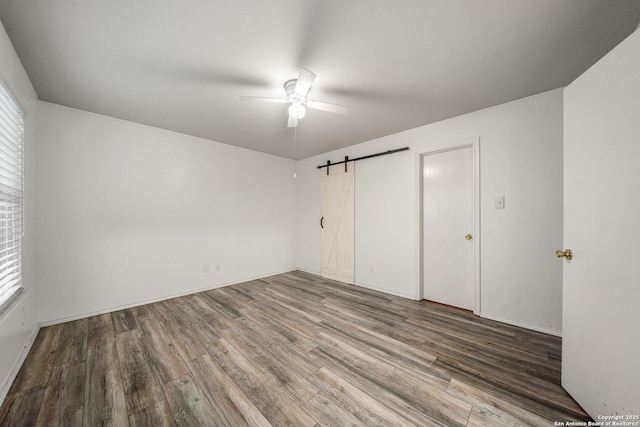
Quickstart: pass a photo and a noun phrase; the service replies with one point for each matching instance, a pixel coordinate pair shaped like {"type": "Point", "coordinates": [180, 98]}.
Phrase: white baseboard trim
{"type": "Point", "coordinates": [524, 325]}
{"type": "Point", "coordinates": [152, 300]}
{"type": "Point", "coordinates": [387, 291]}
{"type": "Point", "coordinates": [362, 285]}
{"type": "Point", "coordinates": [304, 270]}
{"type": "Point", "coordinates": [4, 389]}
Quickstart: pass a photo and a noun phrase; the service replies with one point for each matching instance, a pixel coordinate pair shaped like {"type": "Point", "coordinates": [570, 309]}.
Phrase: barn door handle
{"type": "Point", "coordinates": [321, 226]}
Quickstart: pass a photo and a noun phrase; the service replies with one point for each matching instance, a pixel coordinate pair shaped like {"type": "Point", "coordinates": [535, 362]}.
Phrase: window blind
{"type": "Point", "coordinates": [11, 188]}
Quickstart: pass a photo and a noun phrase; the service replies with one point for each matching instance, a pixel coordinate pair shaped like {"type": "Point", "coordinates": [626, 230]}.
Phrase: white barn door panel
{"type": "Point", "coordinates": [337, 223]}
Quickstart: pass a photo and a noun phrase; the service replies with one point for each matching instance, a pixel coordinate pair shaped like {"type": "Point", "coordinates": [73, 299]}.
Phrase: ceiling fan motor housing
{"type": "Point", "coordinates": [290, 89]}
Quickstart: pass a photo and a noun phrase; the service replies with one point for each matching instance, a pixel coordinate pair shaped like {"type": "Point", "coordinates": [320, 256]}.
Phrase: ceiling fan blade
{"type": "Point", "coordinates": [325, 106]}
{"type": "Point", "coordinates": [293, 122]}
{"type": "Point", "coordinates": [264, 99]}
{"type": "Point", "coordinates": [305, 80]}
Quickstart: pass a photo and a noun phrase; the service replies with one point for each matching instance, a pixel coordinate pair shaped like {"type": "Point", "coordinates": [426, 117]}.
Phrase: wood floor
{"type": "Point", "coordinates": [292, 349]}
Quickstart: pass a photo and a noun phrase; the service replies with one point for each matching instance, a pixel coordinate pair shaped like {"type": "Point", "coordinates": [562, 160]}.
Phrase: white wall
{"type": "Point", "coordinates": [521, 159]}
{"type": "Point", "coordinates": [17, 336]}
{"type": "Point", "coordinates": [131, 213]}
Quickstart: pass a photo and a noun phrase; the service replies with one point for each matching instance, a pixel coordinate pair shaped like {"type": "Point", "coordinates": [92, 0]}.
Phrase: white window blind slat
{"type": "Point", "coordinates": [9, 130]}
{"type": "Point", "coordinates": [10, 248]}
{"type": "Point", "coordinates": [11, 202]}
{"type": "Point", "coordinates": [8, 151]}
{"type": "Point", "coordinates": [8, 121]}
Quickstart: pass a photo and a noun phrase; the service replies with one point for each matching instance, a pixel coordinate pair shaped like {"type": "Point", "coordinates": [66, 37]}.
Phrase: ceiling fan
{"type": "Point", "coordinates": [296, 94]}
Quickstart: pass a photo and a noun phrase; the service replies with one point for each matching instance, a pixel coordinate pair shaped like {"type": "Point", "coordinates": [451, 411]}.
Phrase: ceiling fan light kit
{"type": "Point", "coordinates": [297, 110]}
{"type": "Point", "coordinates": [296, 94]}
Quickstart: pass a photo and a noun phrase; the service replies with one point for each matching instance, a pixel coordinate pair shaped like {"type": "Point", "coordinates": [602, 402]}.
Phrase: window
{"type": "Point", "coordinates": [11, 230]}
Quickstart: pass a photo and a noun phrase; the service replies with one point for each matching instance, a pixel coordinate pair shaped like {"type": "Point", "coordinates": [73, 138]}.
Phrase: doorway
{"type": "Point", "coordinates": [449, 189]}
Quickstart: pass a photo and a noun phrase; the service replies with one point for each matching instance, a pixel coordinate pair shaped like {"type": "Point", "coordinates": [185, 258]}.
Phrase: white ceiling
{"type": "Point", "coordinates": [399, 64]}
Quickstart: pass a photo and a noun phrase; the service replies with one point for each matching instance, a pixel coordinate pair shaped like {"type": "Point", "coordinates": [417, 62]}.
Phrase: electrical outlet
{"type": "Point", "coordinates": [205, 268]}
{"type": "Point", "coordinates": [217, 267]}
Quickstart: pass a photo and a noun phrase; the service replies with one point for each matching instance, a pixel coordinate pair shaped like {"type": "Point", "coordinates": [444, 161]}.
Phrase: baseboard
{"type": "Point", "coordinates": [524, 325]}
{"type": "Point", "coordinates": [362, 285]}
{"type": "Point", "coordinates": [304, 270]}
{"type": "Point", "coordinates": [387, 291]}
{"type": "Point", "coordinates": [152, 300]}
{"type": "Point", "coordinates": [4, 389]}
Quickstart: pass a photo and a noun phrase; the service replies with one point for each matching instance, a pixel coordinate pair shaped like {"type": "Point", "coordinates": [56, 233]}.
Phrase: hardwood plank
{"type": "Point", "coordinates": [297, 285]}
{"type": "Point", "coordinates": [265, 345]}
{"type": "Point", "coordinates": [553, 406]}
{"type": "Point", "coordinates": [288, 380]}
{"type": "Point", "coordinates": [72, 394]}
{"type": "Point", "coordinates": [143, 313]}
{"type": "Point", "coordinates": [182, 332]}
{"type": "Point", "coordinates": [513, 361]}
{"type": "Point", "coordinates": [294, 335]}
{"type": "Point", "coordinates": [191, 323]}
{"type": "Point", "coordinates": [100, 331]}
{"type": "Point", "coordinates": [416, 358]}
{"type": "Point", "coordinates": [63, 401]}
{"type": "Point", "coordinates": [290, 306]}
{"type": "Point", "coordinates": [209, 315]}
{"type": "Point", "coordinates": [22, 408]}
{"type": "Point", "coordinates": [328, 412]}
{"type": "Point", "coordinates": [157, 415]}
{"type": "Point", "coordinates": [73, 343]}
{"type": "Point", "coordinates": [188, 404]}
{"type": "Point", "coordinates": [404, 391]}
{"type": "Point", "coordinates": [123, 321]}
{"type": "Point", "coordinates": [487, 403]}
{"type": "Point", "coordinates": [141, 388]}
{"type": "Point", "coordinates": [277, 407]}
{"type": "Point", "coordinates": [378, 312]}
{"type": "Point", "coordinates": [104, 402]}
{"type": "Point", "coordinates": [232, 406]}
{"type": "Point", "coordinates": [223, 303]}
{"type": "Point", "coordinates": [36, 369]}
{"type": "Point", "coordinates": [162, 354]}
{"type": "Point", "coordinates": [265, 296]}
{"type": "Point", "coordinates": [467, 339]}
{"type": "Point", "coordinates": [361, 405]}
{"type": "Point", "coordinates": [236, 293]}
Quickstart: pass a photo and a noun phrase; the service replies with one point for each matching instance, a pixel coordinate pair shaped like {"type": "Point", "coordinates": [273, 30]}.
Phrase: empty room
{"type": "Point", "coordinates": [319, 213]}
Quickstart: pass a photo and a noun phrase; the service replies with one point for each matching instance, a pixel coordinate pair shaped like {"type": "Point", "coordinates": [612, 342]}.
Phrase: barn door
{"type": "Point", "coordinates": [337, 223]}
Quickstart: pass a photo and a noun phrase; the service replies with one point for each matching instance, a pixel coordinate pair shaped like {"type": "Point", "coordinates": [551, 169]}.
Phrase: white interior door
{"type": "Point", "coordinates": [448, 227]}
{"type": "Point", "coordinates": [601, 284]}
{"type": "Point", "coordinates": [337, 223]}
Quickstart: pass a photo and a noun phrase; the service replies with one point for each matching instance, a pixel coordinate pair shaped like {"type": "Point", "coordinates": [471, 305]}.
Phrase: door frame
{"type": "Point", "coordinates": [474, 144]}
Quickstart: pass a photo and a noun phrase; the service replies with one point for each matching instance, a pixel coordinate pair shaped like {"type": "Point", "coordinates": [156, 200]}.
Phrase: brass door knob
{"type": "Point", "coordinates": [468, 237]}
{"type": "Point", "coordinates": [567, 254]}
